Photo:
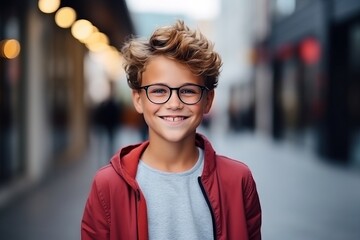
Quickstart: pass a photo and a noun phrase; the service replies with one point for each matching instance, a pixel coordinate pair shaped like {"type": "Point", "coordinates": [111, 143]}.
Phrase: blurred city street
{"type": "Point", "coordinates": [287, 104]}
{"type": "Point", "coordinates": [302, 196]}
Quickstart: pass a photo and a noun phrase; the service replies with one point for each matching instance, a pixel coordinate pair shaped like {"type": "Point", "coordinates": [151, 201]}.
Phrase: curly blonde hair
{"type": "Point", "coordinates": [177, 42]}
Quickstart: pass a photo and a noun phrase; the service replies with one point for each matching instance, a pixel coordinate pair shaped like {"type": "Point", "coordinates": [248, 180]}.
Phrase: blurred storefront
{"type": "Point", "coordinates": [12, 92]}
{"type": "Point", "coordinates": [312, 50]}
{"type": "Point", "coordinates": [44, 117]}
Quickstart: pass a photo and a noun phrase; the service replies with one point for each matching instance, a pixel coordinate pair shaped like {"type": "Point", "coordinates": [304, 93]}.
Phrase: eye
{"type": "Point", "coordinates": [190, 90]}
{"type": "Point", "coordinates": [158, 90]}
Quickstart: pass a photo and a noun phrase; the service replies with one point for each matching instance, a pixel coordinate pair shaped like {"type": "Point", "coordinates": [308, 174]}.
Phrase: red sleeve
{"type": "Point", "coordinates": [95, 223]}
{"type": "Point", "coordinates": [253, 210]}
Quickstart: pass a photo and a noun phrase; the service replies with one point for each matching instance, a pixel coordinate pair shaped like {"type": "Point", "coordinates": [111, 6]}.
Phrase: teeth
{"type": "Point", "coordinates": [173, 119]}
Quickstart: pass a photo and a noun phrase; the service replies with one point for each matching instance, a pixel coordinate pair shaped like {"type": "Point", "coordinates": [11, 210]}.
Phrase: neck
{"type": "Point", "coordinates": [171, 157]}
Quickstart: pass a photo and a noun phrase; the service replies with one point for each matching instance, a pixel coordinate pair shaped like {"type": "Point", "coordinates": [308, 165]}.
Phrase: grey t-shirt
{"type": "Point", "coordinates": [176, 206]}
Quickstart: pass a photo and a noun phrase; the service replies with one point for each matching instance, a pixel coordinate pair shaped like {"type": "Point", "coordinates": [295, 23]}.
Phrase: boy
{"type": "Point", "coordinates": [172, 186]}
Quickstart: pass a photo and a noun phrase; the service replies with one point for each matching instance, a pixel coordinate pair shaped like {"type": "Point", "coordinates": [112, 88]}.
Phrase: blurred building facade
{"type": "Point", "coordinates": [311, 53]}
{"type": "Point", "coordinates": [43, 111]}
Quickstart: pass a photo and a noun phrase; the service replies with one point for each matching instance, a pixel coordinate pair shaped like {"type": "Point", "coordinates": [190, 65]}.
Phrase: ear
{"type": "Point", "coordinates": [136, 98]}
{"type": "Point", "coordinates": [209, 100]}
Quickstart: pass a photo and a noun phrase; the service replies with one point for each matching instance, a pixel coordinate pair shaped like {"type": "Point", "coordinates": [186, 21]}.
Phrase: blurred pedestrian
{"type": "Point", "coordinates": [108, 118]}
{"type": "Point", "coordinates": [173, 186]}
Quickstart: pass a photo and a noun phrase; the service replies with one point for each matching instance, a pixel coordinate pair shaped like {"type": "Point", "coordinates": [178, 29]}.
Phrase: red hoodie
{"type": "Point", "coordinates": [116, 208]}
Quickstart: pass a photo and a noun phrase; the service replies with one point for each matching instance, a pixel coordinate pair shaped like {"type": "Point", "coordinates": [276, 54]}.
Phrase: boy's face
{"type": "Point", "coordinates": [173, 120]}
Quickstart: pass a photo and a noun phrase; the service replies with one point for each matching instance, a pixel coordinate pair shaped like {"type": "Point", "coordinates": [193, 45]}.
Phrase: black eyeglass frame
{"type": "Point", "coordinates": [202, 88]}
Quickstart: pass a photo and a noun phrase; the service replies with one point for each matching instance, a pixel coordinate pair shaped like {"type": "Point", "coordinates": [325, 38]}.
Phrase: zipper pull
{"type": "Point", "coordinates": [138, 195]}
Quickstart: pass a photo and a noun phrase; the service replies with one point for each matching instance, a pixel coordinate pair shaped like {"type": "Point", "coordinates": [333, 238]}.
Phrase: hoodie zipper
{"type": "Point", "coordinates": [137, 193]}
{"type": "Point", "coordinates": [209, 205]}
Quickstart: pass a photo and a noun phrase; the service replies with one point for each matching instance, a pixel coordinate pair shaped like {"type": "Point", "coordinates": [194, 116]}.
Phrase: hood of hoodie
{"type": "Point", "coordinates": [125, 162]}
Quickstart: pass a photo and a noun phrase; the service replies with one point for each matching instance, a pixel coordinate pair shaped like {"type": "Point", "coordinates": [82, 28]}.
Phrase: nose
{"type": "Point", "coordinates": [174, 101]}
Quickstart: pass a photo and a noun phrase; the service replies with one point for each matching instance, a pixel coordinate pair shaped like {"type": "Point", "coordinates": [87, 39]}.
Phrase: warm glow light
{"type": "Point", "coordinates": [65, 17]}
{"type": "Point", "coordinates": [98, 41]}
{"type": "Point", "coordinates": [97, 47]}
{"type": "Point", "coordinates": [10, 48]}
{"type": "Point", "coordinates": [82, 29]}
{"type": "Point", "coordinates": [97, 37]}
{"type": "Point", "coordinates": [112, 61]}
{"type": "Point", "coordinates": [48, 6]}
{"type": "Point", "coordinates": [94, 37]}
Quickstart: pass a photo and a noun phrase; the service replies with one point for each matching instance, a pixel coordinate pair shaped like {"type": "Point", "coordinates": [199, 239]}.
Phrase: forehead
{"type": "Point", "coordinates": [161, 69]}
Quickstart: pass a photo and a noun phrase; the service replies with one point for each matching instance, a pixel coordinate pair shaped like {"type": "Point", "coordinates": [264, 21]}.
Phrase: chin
{"type": "Point", "coordinates": [174, 137]}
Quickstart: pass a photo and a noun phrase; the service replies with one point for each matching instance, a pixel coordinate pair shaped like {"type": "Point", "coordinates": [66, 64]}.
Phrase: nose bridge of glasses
{"type": "Point", "coordinates": [177, 95]}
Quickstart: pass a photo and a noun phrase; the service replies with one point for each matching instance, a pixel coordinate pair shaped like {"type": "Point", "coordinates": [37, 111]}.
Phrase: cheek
{"type": "Point", "coordinates": [148, 107]}
{"type": "Point", "coordinates": [199, 110]}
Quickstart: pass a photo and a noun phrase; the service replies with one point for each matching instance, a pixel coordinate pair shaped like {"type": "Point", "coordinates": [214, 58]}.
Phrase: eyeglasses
{"type": "Point", "coordinates": [189, 94]}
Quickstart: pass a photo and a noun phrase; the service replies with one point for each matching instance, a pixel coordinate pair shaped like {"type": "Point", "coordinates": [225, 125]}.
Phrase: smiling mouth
{"type": "Point", "coordinates": [173, 119]}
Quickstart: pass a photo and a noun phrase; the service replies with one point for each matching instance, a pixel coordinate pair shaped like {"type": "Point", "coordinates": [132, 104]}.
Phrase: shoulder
{"type": "Point", "coordinates": [229, 164]}
{"type": "Point", "coordinates": [106, 184]}
{"type": "Point", "coordinates": [105, 173]}
{"type": "Point", "coordinates": [233, 170]}
{"type": "Point", "coordinates": [107, 179]}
